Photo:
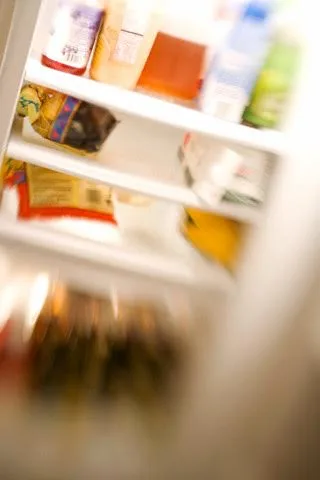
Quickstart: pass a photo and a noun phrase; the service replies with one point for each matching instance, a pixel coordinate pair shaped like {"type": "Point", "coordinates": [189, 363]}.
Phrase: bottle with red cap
{"type": "Point", "coordinates": [72, 35]}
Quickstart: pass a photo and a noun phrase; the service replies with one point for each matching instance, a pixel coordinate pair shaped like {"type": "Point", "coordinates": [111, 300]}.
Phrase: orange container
{"type": "Point", "coordinates": [174, 67]}
{"type": "Point", "coordinates": [176, 59]}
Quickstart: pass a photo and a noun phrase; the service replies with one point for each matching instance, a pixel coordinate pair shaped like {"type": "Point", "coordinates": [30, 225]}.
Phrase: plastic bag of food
{"type": "Point", "coordinates": [50, 194]}
{"type": "Point", "coordinates": [65, 120]}
{"type": "Point", "coordinates": [216, 237]}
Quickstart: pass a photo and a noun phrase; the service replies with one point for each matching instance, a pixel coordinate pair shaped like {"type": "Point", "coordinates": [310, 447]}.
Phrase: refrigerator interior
{"type": "Point", "coordinates": [247, 337]}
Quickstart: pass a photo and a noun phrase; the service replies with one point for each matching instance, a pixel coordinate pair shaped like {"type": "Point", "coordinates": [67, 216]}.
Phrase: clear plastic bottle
{"type": "Point", "coordinates": [175, 64]}
{"type": "Point", "coordinates": [72, 35]}
{"type": "Point", "coordinates": [125, 41]}
{"type": "Point", "coordinates": [227, 14]}
{"type": "Point", "coordinates": [236, 65]}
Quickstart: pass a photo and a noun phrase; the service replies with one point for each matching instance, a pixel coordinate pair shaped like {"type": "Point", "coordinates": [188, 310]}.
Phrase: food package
{"type": "Point", "coordinates": [218, 173]}
{"type": "Point", "coordinates": [72, 123]}
{"type": "Point", "coordinates": [50, 194]}
{"type": "Point", "coordinates": [218, 238]}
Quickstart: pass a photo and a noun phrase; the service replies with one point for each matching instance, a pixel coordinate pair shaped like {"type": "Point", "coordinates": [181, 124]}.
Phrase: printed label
{"type": "Point", "coordinates": [66, 191]}
{"type": "Point", "coordinates": [73, 34]}
{"type": "Point", "coordinates": [134, 26]}
{"type": "Point", "coordinates": [62, 121]}
{"type": "Point", "coordinates": [224, 101]}
{"type": "Point", "coordinates": [45, 193]}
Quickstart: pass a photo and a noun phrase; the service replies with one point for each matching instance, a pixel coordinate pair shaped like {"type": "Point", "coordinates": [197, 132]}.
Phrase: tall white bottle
{"type": "Point", "coordinates": [72, 34]}
{"type": "Point", "coordinates": [125, 41]}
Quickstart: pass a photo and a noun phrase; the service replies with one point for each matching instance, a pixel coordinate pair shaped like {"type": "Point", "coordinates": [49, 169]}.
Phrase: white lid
{"type": "Point", "coordinates": [190, 20]}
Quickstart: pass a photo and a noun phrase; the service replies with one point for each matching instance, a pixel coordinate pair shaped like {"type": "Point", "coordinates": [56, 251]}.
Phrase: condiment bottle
{"type": "Point", "coordinates": [127, 35]}
{"type": "Point", "coordinates": [72, 35]}
{"type": "Point", "coordinates": [270, 96]}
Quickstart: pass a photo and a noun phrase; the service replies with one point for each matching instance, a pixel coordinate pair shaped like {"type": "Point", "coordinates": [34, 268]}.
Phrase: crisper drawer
{"type": "Point", "coordinates": [96, 367]}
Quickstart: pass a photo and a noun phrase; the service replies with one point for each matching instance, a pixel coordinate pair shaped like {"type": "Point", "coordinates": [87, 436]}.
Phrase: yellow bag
{"type": "Point", "coordinates": [216, 237]}
{"type": "Point", "coordinates": [72, 123]}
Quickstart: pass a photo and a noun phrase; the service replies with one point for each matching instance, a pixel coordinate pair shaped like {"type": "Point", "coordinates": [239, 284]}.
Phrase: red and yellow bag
{"type": "Point", "coordinates": [50, 194]}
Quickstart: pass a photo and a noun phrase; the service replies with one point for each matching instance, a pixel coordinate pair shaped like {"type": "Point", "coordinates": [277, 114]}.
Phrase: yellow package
{"type": "Point", "coordinates": [67, 121]}
{"type": "Point", "coordinates": [50, 194]}
{"type": "Point", "coordinates": [216, 237]}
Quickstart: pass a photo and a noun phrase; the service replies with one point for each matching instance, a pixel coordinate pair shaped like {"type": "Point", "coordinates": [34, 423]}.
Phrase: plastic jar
{"type": "Point", "coordinates": [175, 64]}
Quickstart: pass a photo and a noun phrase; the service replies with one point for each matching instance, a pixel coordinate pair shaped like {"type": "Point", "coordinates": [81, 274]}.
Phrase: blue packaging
{"type": "Point", "coordinates": [234, 69]}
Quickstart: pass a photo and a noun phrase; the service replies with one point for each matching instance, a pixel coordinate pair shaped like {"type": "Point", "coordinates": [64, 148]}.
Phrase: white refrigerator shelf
{"type": "Point", "coordinates": [155, 109]}
{"type": "Point", "coordinates": [171, 191]}
{"type": "Point", "coordinates": [177, 261]}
